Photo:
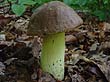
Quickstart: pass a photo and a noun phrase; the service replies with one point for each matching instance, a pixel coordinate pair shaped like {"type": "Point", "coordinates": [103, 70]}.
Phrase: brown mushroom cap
{"type": "Point", "coordinates": [53, 17]}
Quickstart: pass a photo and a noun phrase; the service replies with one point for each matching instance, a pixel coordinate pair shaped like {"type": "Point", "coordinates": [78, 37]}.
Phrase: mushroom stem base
{"type": "Point", "coordinates": [52, 56]}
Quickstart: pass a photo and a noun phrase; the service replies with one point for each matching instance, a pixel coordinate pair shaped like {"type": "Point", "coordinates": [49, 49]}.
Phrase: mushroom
{"type": "Point", "coordinates": [51, 21]}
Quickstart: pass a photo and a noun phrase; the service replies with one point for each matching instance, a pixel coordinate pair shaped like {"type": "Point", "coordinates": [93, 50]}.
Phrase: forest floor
{"type": "Point", "coordinates": [87, 53]}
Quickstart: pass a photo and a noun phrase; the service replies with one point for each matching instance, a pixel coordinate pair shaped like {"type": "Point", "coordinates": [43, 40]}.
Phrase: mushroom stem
{"type": "Point", "coordinates": [52, 57]}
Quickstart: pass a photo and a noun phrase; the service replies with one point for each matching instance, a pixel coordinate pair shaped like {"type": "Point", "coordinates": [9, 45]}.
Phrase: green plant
{"type": "Point", "coordinates": [19, 7]}
{"type": "Point", "coordinates": [99, 8]}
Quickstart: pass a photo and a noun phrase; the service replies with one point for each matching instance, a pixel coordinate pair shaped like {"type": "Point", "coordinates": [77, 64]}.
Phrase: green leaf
{"type": "Point", "coordinates": [38, 1]}
{"type": "Point", "coordinates": [27, 2]}
{"type": "Point", "coordinates": [18, 9]}
{"type": "Point", "coordinates": [75, 6]}
{"type": "Point", "coordinates": [100, 14]}
{"type": "Point", "coordinates": [106, 1]}
{"type": "Point", "coordinates": [68, 2]}
{"type": "Point", "coordinates": [80, 2]}
{"type": "Point", "coordinates": [12, 1]}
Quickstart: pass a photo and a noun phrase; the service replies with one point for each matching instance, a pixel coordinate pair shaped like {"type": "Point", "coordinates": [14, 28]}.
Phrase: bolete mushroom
{"type": "Point", "coordinates": [51, 21]}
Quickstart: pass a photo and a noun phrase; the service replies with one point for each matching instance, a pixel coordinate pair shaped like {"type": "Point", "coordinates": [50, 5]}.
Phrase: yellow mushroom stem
{"type": "Point", "coordinates": [52, 56]}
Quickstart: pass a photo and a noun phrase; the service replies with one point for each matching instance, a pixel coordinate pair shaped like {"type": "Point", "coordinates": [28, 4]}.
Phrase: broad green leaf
{"type": "Point", "coordinates": [106, 1]}
{"type": "Point", "coordinates": [68, 2]}
{"type": "Point", "coordinates": [38, 1]}
{"type": "Point", "coordinates": [12, 1]}
{"type": "Point", "coordinates": [18, 9]}
{"type": "Point", "coordinates": [100, 14]}
{"type": "Point", "coordinates": [26, 2]}
{"type": "Point", "coordinates": [80, 2]}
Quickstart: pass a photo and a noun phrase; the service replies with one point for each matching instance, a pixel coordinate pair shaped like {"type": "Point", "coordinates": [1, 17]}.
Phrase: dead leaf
{"type": "Point", "coordinates": [4, 20]}
{"type": "Point", "coordinates": [70, 38]}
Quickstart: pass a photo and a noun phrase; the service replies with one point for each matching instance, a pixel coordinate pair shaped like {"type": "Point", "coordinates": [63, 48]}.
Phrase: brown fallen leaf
{"type": "Point", "coordinates": [4, 20]}
{"type": "Point", "coordinates": [10, 36]}
{"type": "Point", "coordinates": [70, 38]}
{"type": "Point", "coordinates": [104, 26]}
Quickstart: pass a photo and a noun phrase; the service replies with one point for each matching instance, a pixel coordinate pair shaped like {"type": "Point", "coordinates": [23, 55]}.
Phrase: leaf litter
{"type": "Point", "coordinates": [86, 55]}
